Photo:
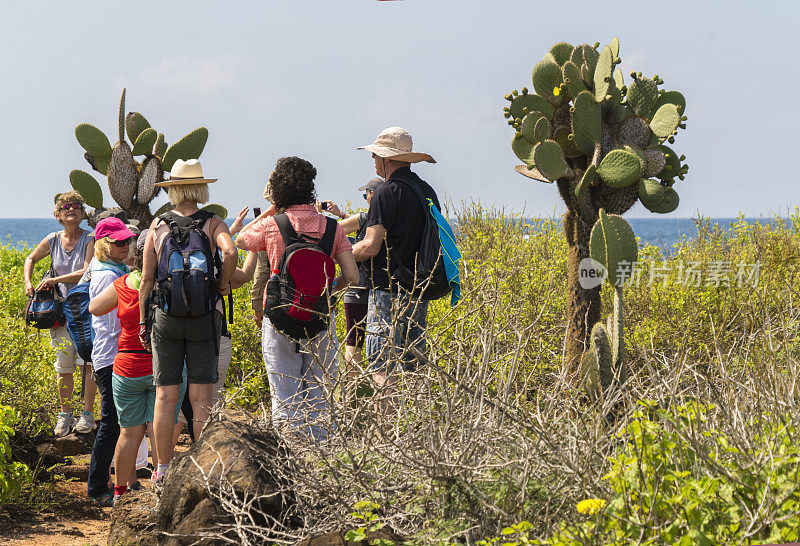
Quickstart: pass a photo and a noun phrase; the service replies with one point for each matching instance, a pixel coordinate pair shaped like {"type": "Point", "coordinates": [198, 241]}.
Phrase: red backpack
{"type": "Point", "coordinates": [299, 289]}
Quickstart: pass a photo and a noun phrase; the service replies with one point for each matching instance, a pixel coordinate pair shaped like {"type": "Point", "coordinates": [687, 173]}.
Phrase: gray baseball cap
{"type": "Point", "coordinates": [372, 184]}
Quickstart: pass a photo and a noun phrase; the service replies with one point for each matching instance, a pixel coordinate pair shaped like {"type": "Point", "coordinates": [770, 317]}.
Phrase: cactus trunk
{"type": "Point", "coordinates": [583, 305]}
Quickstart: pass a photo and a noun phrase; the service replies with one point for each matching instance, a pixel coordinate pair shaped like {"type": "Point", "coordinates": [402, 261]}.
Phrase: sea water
{"type": "Point", "coordinates": [661, 232]}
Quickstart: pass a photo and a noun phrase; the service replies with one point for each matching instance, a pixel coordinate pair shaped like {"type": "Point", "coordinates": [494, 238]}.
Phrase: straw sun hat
{"type": "Point", "coordinates": [395, 143]}
{"type": "Point", "coordinates": [186, 172]}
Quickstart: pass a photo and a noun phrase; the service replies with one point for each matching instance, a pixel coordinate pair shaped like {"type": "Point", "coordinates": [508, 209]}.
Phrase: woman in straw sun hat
{"type": "Point", "coordinates": [175, 339]}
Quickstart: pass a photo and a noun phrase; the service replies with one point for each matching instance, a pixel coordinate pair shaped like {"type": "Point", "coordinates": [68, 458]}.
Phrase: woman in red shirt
{"type": "Point", "coordinates": [132, 380]}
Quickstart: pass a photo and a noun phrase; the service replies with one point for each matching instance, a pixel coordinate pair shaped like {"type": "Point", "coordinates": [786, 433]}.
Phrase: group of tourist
{"type": "Point", "coordinates": [157, 299]}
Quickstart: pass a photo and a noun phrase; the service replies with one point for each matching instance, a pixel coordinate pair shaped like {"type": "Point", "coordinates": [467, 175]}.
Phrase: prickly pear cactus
{"type": "Point", "coordinates": [602, 142]}
{"type": "Point", "coordinates": [131, 183]}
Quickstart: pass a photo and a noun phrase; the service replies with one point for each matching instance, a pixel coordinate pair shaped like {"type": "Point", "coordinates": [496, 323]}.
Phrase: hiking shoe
{"type": "Point", "coordinates": [105, 500]}
{"type": "Point", "coordinates": [137, 486]}
{"type": "Point", "coordinates": [85, 423]}
{"type": "Point", "coordinates": [64, 424]}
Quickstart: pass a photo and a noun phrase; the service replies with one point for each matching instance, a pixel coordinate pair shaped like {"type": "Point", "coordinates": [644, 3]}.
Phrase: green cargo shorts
{"type": "Point", "coordinates": [135, 399]}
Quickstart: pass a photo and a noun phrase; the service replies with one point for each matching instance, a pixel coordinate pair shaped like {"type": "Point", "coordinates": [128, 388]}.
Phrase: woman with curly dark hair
{"type": "Point", "coordinates": [299, 380]}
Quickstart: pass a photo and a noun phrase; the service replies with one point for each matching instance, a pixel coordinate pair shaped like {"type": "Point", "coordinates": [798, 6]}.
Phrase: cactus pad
{"type": "Point", "coordinates": [672, 163]}
{"type": "Point", "coordinates": [189, 147]}
{"type": "Point", "coordinates": [563, 135]}
{"type": "Point", "coordinates": [620, 168]}
{"type": "Point", "coordinates": [535, 128]}
{"type": "Point", "coordinates": [145, 141]}
{"type": "Point", "coordinates": [122, 174]}
{"type": "Point", "coordinates": [672, 97]}
{"type": "Point", "coordinates": [614, 46]}
{"type": "Point", "coordinates": [532, 173]}
{"type": "Point", "coordinates": [546, 77]}
{"type": "Point", "coordinates": [100, 164]}
{"type": "Point", "coordinates": [573, 78]}
{"type": "Point", "coordinates": [121, 120]}
{"type": "Point", "coordinates": [160, 147]}
{"type": "Point", "coordinates": [522, 148]}
{"type": "Point", "coordinates": [135, 123]}
{"type": "Point", "coordinates": [619, 79]}
{"type": "Point", "coordinates": [93, 140]}
{"type": "Point", "coordinates": [634, 131]}
{"type": "Point", "coordinates": [642, 97]}
{"type": "Point", "coordinates": [150, 173]}
{"type": "Point", "coordinates": [603, 73]}
{"type": "Point", "coordinates": [586, 123]}
{"type": "Point", "coordinates": [549, 159]}
{"type": "Point", "coordinates": [86, 185]}
{"type": "Point", "coordinates": [561, 53]}
{"type": "Point", "coordinates": [655, 161]}
{"type": "Point", "coordinates": [533, 103]}
{"type": "Point", "coordinates": [665, 121]}
{"type": "Point", "coordinates": [219, 210]}
{"type": "Point", "coordinates": [586, 180]}
{"type": "Point", "coordinates": [657, 197]}
{"type": "Point", "coordinates": [613, 244]}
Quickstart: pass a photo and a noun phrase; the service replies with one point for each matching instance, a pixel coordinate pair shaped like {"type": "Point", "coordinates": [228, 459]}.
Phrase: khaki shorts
{"type": "Point", "coordinates": [67, 360]}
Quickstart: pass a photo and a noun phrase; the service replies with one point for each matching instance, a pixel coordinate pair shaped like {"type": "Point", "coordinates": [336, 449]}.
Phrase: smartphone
{"type": "Point", "coordinates": [324, 205]}
{"type": "Point", "coordinates": [256, 211]}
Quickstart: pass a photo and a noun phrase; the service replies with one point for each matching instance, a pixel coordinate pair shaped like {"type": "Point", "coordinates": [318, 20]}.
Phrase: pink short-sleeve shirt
{"type": "Point", "coordinates": [265, 235]}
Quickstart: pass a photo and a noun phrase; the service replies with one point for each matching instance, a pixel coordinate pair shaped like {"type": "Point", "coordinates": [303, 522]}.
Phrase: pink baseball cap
{"type": "Point", "coordinates": [113, 228]}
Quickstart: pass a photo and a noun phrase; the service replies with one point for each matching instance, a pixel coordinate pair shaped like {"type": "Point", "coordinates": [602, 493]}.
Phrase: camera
{"type": "Point", "coordinates": [324, 205]}
{"type": "Point", "coordinates": [256, 211]}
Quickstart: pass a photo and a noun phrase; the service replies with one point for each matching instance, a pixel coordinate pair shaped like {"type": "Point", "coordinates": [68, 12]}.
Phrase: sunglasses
{"type": "Point", "coordinates": [365, 196]}
{"type": "Point", "coordinates": [121, 244]}
{"type": "Point", "coordinates": [69, 206]}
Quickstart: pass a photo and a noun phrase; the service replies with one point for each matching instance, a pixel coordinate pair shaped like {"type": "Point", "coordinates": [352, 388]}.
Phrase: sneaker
{"type": "Point", "coordinates": [85, 423]}
{"type": "Point", "coordinates": [64, 424]}
{"type": "Point", "coordinates": [137, 486]}
{"type": "Point", "coordinates": [105, 500]}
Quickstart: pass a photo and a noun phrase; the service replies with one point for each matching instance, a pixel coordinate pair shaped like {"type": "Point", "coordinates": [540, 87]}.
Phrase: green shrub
{"type": "Point", "coordinates": [12, 474]}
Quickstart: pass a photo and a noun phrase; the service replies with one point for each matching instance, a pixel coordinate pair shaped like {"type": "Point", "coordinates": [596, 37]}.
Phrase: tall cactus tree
{"type": "Point", "coordinates": [601, 141]}
{"type": "Point", "coordinates": [131, 182]}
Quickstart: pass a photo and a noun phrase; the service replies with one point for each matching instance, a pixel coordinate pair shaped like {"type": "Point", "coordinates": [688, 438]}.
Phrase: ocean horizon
{"type": "Point", "coordinates": [660, 232]}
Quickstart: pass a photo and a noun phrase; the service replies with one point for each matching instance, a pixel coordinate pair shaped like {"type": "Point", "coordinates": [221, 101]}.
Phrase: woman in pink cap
{"type": "Point", "coordinates": [111, 248]}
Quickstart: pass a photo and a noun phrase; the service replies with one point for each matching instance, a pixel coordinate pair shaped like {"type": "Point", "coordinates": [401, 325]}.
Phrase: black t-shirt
{"type": "Point", "coordinates": [360, 293]}
{"type": "Point", "coordinates": [398, 209]}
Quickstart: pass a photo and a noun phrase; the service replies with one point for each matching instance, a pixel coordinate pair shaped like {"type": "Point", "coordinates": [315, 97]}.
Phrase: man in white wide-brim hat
{"type": "Point", "coordinates": [395, 223]}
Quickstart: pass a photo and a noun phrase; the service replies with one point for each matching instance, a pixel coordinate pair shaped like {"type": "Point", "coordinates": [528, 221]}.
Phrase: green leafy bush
{"type": "Point", "coordinates": [12, 474]}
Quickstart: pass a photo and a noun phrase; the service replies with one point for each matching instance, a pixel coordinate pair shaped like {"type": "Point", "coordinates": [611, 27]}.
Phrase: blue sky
{"type": "Point", "coordinates": [316, 79]}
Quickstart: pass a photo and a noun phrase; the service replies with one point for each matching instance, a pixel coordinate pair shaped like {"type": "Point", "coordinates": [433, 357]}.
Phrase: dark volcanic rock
{"type": "Point", "coordinates": [235, 459]}
{"type": "Point", "coordinates": [132, 519]}
{"type": "Point", "coordinates": [75, 444]}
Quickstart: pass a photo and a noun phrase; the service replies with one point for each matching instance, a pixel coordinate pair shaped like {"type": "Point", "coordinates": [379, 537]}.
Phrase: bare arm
{"type": "Point", "coordinates": [242, 276]}
{"type": "Point", "coordinates": [371, 245]}
{"type": "Point", "coordinates": [148, 275]}
{"type": "Point", "coordinates": [261, 277]}
{"type": "Point", "coordinates": [41, 250]}
{"type": "Point", "coordinates": [271, 211]}
{"type": "Point", "coordinates": [230, 257]}
{"type": "Point", "coordinates": [104, 302]}
{"type": "Point", "coordinates": [349, 275]}
{"type": "Point", "coordinates": [350, 224]}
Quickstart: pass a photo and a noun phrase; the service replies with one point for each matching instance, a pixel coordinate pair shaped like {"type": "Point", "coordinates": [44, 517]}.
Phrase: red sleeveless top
{"type": "Point", "coordinates": [132, 360]}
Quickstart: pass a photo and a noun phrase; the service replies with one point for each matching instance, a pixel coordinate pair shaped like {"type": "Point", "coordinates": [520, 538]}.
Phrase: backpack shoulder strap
{"type": "Point", "coordinates": [421, 196]}
{"type": "Point", "coordinates": [200, 218]}
{"type": "Point", "coordinates": [326, 243]}
{"type": "Point", "coordinates": [288, 233]}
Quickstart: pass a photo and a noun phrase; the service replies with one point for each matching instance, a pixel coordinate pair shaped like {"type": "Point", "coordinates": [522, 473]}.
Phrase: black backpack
{"type": "Point", "coordinates": [298, 291]}
{"type": "Point", "coordinates": [185, 279]}
{"type": "Point", "coordinates": [427, 279]}
{"type": "Point", "coordinates": [44, 309]}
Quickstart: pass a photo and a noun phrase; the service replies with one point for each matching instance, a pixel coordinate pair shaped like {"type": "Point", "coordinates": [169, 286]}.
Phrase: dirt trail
{"type": "Point", "coordinates": [76, 520]}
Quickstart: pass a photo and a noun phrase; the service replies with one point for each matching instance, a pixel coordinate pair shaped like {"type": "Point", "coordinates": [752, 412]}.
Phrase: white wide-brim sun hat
{"type": "Point", "coordinates": [395, 143]}
{"type": "Point", "coordinates": [186, 172]}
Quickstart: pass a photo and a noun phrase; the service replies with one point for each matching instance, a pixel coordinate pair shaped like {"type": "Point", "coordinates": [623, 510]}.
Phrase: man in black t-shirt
{"type": "Point", "coordinates": [396, 218]}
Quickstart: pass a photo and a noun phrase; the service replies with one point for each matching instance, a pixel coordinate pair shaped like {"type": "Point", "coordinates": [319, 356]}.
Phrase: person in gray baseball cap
{"type": "Point", "coordinates": [356, 298]}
